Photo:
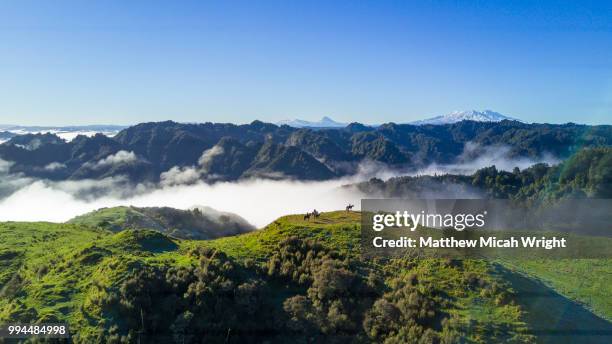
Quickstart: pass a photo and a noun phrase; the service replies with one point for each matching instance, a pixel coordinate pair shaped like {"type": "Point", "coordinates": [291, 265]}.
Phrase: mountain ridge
{"type": "Point", "coordinates": [452, 117]}
{"type": "Point", "coordinates": [324, 122]}
{"type": "Point", "coordinates": [145, 151]}
{"type": "Point", "coordinates": [470, 115]}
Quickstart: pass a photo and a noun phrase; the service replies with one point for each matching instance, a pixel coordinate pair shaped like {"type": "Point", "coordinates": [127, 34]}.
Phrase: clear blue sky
{"type": "Point", "coordinates": [123, 62]}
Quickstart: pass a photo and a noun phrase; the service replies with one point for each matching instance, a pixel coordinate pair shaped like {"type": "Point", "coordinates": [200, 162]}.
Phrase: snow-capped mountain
{"type": "Point", "coordinates": [472, 115]}
{"type": "Point", "coordinates": [325, 122]}
{"type": "Point", "coordinates": [66, 133]}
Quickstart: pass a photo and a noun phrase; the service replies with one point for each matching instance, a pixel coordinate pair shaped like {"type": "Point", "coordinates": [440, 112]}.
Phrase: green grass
{"type": "Point", "coordinates": [38, 249]}
{"type": "Point", "coordinates": [587, 281]}
{"type": "Point", "coordinates": [61, 266]}
{"type": "Point", "coordinates": [338, 229]}
{"type": "Point", "coordinates": [110, 218]}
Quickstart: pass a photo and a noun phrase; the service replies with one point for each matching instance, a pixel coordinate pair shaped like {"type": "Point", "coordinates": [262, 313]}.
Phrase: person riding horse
{"type": "Point", "coordinates": [314, 214]}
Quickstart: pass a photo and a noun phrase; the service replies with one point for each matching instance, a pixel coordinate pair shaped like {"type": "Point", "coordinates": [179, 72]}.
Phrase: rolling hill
{"type": "Point", "coordinates": [292, 280]}
{"type": "Point", "coordinates": [198, 223]}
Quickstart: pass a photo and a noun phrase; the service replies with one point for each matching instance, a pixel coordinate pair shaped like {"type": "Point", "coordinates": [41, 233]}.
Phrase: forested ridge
{"type": "Point", "coordinates": [587, 173]}
{"type": "Point", "coordinates": [223, 151]}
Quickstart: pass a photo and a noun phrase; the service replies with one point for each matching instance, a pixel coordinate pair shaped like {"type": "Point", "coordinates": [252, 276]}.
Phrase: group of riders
{"type": "Point", "coordinates": [315, 214]}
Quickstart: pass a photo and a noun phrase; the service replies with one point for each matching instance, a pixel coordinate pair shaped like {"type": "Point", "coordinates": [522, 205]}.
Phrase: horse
{"type": "Point", "coordinates": [315, 213]}
{"type": "Point", "coordinates": [349, 207]}
{"type": "Point", "coordinates": [307, 217]}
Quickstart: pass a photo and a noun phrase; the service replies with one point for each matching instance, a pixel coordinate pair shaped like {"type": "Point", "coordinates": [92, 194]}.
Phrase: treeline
{"type": "Point", "coordinates": [303, 293]}
{"type": "Point", "coordinates": [587, 173]}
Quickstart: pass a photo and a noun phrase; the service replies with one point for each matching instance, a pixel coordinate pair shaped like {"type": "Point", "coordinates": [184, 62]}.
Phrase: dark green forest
{"type": "Point", "coordinates": [587, 173]}
{"type": "Point", "coordinates": [266, 150]}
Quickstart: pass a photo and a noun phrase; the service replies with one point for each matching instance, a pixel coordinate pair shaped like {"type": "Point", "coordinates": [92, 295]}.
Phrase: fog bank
{"type": "Point", "coordinates": [260, 201]}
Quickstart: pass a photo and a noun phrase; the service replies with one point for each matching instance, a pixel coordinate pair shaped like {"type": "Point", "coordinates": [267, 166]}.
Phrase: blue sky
{"type": "Point", "coordinates": [123, 62]}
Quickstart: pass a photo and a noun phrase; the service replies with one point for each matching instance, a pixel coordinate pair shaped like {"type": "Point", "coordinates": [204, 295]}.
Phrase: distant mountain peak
{"type": "Point", "coordinates": [470, 115]}
{"type": "Point", "coordinates": [325, 122]}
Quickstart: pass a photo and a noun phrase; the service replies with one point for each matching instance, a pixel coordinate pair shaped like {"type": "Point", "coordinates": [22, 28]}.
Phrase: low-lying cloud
{"type": "Point", "coordinates": [54, 166]}
{"type": "Point", "coordinates": [191, 174]}
{"type": "Point", "coordinates": [120, 158]}
{"type": "Point", "coordinates": [260, 201]}
{"type": "Point", "coordinates": [179, 176]}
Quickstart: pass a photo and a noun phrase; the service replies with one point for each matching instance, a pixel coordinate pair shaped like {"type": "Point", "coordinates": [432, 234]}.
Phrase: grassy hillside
{"type": "Point", "coordinates": [293, 280]}
{"type": "Point", "coordinates": [587, 281]}
{"type": "Point", "coordinates": [197, 223]}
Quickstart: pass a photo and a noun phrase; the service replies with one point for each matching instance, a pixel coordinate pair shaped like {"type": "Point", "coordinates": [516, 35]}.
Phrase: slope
{"type": "Point", "coordinates": [294, 279]}
{"type": "Point", "coordinates": [198, 223]}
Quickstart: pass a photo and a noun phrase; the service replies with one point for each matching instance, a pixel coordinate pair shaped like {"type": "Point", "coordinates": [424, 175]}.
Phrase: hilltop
{"type": "Point", "coordinates": [198, 223]}
{"type": "Point", "coordinates": [296, 279]}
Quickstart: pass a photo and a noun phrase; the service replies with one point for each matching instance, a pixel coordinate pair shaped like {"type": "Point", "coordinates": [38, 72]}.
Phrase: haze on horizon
{"type": "Point", "coordinates": [116, 62]}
